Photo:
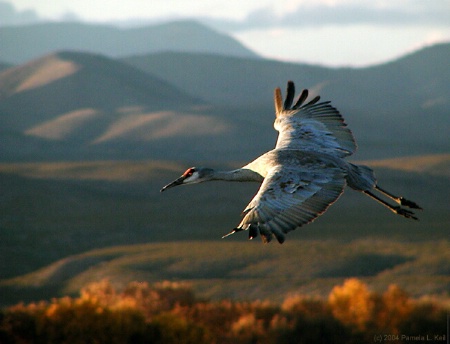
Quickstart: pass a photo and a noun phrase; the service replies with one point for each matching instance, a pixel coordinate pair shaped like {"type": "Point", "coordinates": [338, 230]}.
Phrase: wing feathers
{"type": "Point", "coordinates": [290, 93]}
{"type": "Point", "coordinates": [313, 101]}
{"type": "Point", "coordinates": [301, 99]}
{"type": "Point", "coordinates": [275, 211]}
{"type": "Point", "coordinates": [312, 126]}
{"type": "Point", "coordinates": [278, 99]}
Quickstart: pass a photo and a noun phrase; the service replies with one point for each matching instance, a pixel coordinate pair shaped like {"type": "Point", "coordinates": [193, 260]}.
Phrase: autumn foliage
{"type": "Point", "coordinates": [170, 313]}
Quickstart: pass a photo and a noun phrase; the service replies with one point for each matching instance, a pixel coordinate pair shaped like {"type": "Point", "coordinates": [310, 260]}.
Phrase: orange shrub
{"type": "Point", "coordinates": [395, 307]}
{"type": "Point", "coordinates": [169, 313]}
{"type": "Point", "coordinates": [352, 304]}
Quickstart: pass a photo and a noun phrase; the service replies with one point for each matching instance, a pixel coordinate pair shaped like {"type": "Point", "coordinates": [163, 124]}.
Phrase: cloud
{"type": "Point", "coordinates": [234, 15]}
{"type": "Point", "coordinates": [9, 15]}
{"type": "Point", "coordinates": [319, 14]}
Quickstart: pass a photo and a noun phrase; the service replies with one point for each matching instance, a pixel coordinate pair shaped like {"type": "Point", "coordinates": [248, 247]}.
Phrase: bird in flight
{"type": "Point", "coordinates": [304, 174]}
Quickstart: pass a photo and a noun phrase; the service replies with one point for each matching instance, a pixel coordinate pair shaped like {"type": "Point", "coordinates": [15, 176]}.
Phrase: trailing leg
{"type": "Point", "coordinates": [400, 200]}
{"type": "Point", "coordinates": [395, 209]}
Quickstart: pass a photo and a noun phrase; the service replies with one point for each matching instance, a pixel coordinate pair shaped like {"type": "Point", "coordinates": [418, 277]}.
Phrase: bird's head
{"type": "Point", "coordinates": [191, 176]}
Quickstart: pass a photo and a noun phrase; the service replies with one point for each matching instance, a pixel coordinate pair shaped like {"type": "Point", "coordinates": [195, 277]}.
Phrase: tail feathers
{"type": "Point", "coordinates": [361, 177]}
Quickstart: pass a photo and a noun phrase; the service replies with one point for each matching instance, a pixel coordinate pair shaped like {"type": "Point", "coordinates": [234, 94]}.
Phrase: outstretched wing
{"type": "Point", "coordinates": [311, 126]}
{"type": "Point", "coordinates": [290, 197]}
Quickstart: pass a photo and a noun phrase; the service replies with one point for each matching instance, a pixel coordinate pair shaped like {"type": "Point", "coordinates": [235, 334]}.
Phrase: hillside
{"type": "Point", "coordinates": [245, 271]}
{"type": "Point", "coordinates": [76, 105]}
{"type": "Point", "coordinates": [68, 81]}
{"type": "Point", "coordinates": [4, 66]}
{"type": "Point", "coordinates": [71, 105]}
{"type": "Point", "coordinates": [246, 82]}
{"type": "Point", "coordinates": [83, 106]}
{"type": "Point", "coordinates": [408, 97]}
{"type": "Point", "coordinates": [97, 204]}
{"type": "Point", "coordinates": [60, 220]}
{"type": "Point", "coordinates": [41, 39]}
{"type": "Point", "coordinates": [225, 80]}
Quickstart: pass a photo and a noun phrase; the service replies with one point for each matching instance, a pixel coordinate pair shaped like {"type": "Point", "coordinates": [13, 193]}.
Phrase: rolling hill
{"type": "Point", "coordinates": [71, 105]}
{"type": "Point", "coordinates": [422, 78]}
{"type": "Point", "coordinates": [243, 271]}
{"type": "Point", "coordinates": [408, 98]}
{"type": "Point", "coordinates": [64, 82]}
{"type": "Point", "coordinates": [41, 39]}
{"type": "Point", "coordinates": [72, 207]}
{"type": "Point", "coordinates": [64, 224]}
{"type": "Point", "coordinates": [83, 106]}
{"type": "Point", "coordinates": [76, 104]}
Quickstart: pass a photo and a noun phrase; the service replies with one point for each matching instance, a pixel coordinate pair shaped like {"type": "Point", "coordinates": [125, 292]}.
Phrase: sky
{"type": "Point", "coordinates": [325, 32]}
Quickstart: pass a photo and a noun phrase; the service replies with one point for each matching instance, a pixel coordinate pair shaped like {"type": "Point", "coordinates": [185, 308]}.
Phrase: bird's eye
{"type": "Point", "coordinates": [189, 172]}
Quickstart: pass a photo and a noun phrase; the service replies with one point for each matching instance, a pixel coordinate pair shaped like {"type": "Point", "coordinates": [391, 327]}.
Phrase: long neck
{"type": "Point", "coordinates": [239, 175]}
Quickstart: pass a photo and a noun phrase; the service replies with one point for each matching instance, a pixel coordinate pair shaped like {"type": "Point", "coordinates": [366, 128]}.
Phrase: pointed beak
{"type": "Point", "coordinates": [176, 182]}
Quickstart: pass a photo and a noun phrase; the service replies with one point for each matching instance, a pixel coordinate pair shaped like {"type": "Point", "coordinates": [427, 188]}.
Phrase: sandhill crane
{"type": "Point", "coordinates": [304, 174]}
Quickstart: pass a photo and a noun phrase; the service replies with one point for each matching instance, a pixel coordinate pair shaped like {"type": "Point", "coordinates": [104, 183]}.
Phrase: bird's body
{"type": "Point", "coordinates": [304, 174]}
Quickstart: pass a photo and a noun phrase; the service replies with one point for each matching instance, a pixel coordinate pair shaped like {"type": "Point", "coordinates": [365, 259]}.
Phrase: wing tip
{"type": "Point", "coordinates": [278, 100]}
{"type": "Point", "coordinates": [290, 93]}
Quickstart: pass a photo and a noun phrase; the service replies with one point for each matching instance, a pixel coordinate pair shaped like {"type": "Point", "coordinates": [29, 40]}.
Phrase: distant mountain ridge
{"type": "Point", "coordinates": [23, 43]}
{"type": "Point", "coordinates": [69, 81]}
{"type": "Point", "coordinates": [171, 105]}
{"type": "Point", "coordinates": [408, 98]}
{"type": "Point", "coordinates": [246, 81]}
{"type": "Point", "coordinates": [70, 101]}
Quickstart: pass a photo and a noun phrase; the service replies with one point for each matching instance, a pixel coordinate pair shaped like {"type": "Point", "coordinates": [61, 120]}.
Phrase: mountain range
{"type": "Point", "coordinates": [23, 43]}
{"type": "Point", "coordinates": [407, 97]}
{"type": "Point", "coordinates": [78, 105]}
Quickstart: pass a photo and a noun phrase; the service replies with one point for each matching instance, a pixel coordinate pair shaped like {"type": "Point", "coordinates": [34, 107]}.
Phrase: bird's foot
{"type": "Point", "coordinates": [227, 235]}
{"type": "Point", "coordinates": [405, 213]}
{"type": "Point", "coordinates": [409, 204]}
{"type": "Point", "coordinates": [234, 230]}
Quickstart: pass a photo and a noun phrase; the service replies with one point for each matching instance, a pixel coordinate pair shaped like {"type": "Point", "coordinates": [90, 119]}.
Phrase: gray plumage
{"type": "Point", "coordinates": [304, 174]}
